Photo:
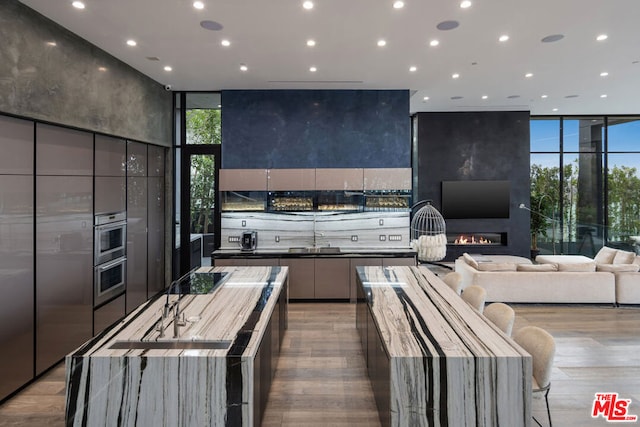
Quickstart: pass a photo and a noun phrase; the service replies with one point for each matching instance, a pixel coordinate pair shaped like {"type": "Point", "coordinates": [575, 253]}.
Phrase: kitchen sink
{"type": "Point", "coordinates": [315, 250]}
{"type": "Point", "coordinates": [172, 345]}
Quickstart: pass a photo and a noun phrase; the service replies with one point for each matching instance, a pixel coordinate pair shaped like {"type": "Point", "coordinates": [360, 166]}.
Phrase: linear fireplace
{"type": "Point", "coordinates": [477, 239]}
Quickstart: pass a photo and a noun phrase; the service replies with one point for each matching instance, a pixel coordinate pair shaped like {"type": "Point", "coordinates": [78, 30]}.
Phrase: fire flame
{"type": "Point", "coordinates": [472, 240]}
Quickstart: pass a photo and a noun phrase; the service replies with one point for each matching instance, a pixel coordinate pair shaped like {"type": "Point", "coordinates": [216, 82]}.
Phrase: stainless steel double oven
{"type": "Point", "coordinates": [110, 262]}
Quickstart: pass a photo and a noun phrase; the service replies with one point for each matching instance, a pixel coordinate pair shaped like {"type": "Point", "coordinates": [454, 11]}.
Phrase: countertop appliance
{"type": "Point", "coordinates": [249, 240]}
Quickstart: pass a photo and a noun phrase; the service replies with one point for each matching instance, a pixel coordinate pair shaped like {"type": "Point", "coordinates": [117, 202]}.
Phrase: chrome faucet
{"type": "Point", "coordinates": [177, 321]}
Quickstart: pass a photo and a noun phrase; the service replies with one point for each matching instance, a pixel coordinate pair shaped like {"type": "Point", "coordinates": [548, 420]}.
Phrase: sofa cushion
{"type": "Point", "coordinates": [584, 266]}
{"type": "Point", "coordinates": [538, 267]}
{"type": "Point", "coordinates": [605, 255]}
{"type": "Point", "coordinates": [623, 257]}
{"type": "Point", "coordinates": [496, 266]}
{"type": "Point", "coordinates": [469, 259]}
{"type": "Point", "coordinates": [618, 268]}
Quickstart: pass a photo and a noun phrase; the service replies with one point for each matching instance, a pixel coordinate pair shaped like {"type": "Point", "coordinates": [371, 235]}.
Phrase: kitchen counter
{"type": "Point", "coordinates": [343, 253]}
{"type": "Point", "coordinates": [132, 374]}
{"type": "Point", "coordinates": [432, 359]}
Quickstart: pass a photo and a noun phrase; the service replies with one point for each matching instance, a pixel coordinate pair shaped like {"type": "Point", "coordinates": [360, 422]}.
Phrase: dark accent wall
{"type": "Point", "coordinates": [476, 146]}
{"type": "Point", "coordinates": [316, 129]}
{"type": "Point", "coordinates": [63, 84]}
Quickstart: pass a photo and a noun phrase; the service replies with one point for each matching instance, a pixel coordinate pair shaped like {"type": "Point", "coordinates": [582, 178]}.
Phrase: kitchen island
{"type": "Point", "coordinates": [432, 359]}
{"type": "Point", "coordinates": [212, 364]}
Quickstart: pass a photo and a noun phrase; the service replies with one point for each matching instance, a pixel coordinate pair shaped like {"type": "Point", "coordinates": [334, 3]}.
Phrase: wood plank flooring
{"type": "Point", "coordinates": [321, 378]}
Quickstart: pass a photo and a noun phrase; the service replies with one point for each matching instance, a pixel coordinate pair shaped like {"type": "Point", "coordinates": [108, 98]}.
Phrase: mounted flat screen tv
{"type": "Point", "coordinates": [475, 199]}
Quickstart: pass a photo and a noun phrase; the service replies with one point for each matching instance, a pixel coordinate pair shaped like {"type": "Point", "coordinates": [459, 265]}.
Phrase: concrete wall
{"type": "Point", "coordinates": [63, 84]}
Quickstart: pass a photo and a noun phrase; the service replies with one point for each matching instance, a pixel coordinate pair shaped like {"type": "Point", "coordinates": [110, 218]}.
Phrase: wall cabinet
{"type": "Point", "coordinates": [291, 180]}
{"type": "Point", "coordinates": [110, 156]}
{"type": "Point", "coordinates": [62, 151]}
{"type": "Point", "coordinates": [243, 180]}
{"type": "Point", "coordinates": [339, 179]}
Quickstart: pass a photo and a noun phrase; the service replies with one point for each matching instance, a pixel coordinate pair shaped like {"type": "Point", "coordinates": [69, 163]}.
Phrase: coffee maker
{"type": "Point", "coordinates": [249, 240]}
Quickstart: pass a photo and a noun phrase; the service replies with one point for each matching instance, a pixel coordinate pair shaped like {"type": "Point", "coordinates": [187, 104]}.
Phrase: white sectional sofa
{"type": "Point", "coordinates": [611, 277]}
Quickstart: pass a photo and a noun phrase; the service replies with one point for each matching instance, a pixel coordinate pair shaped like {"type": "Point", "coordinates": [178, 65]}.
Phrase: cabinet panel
{"type": "Point", "coordinates": [243, 180]}
{"type": "Point", "coordinates": [156, 161]}
{"type": "Point", "coordinates": [64, 266]}
{"type": "Point", "coordinates": [16, 142]}
{"type": "Point", "coordinates": [136, 242]}
{"type": "Point", "coordinates": [389, 262]}
{"type": "Point", "coordinates": [353, 280]}
{"type": "Point", "coordinates": [301, 277]}
{"type": "Point", "coordinates": [264, 261]}
{"type": "Point", "coordinates": [16, 282]}
{"type": "Point", "coordinates": [339, 179]}
{"type": "Point", "coordinates": [110, 156]}
{"type": "Point", "coordinates": [331, 278]}
{"type": "Point", "coordinates": [136, 159]}
{"type": "Point", "coordinates": [155, 236]}
{"type": "Point", "coordinates": [110, 194]}
{"type": "Point", "coordinates": [62, 151]}
{"type": "Point", "coordinates": [291, 180]}
{"type": "Point", "coordinates": [108, 314]}
{"type": "Point", "coordinates": [231, 262]}
{"type": "Point", "coordinates": [387, 179]}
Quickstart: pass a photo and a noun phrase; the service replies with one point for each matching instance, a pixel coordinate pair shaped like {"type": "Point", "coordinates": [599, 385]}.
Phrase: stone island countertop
{"type": "Point", "coordinates": [134, 374]}
{"type": "Point", "coordinates": [443, 363]}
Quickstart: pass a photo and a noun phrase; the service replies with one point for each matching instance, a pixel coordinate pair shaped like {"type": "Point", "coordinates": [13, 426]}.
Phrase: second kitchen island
{"type": "Point", "coordinates": [213, 368]}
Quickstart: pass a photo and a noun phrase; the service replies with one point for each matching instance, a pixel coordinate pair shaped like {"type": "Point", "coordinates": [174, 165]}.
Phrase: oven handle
{"type": "Point", "coordinates": [103, 267]}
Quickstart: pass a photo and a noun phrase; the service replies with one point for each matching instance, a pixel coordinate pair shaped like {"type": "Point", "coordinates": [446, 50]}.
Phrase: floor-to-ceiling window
{"type": "Point", "coordinates": [585, 185]}
{"type": "Point", "coordinates": [198, 153]}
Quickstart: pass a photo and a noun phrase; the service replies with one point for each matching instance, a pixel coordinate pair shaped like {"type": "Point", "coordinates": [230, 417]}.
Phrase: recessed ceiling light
{"type": "Point", "coordinates": [52, 43]}
{"type": "Point", "coordinates": [426, 98]}
{"type": "Point", "coordinates": [413, 68]}
{"type": "Point", "coordinates": [603, 96]}
{"type": "Point", "coordinates": [602, 37]}
{"type": "Point", "coordinates": [434, 43]}
{"type": "Point", "coordinates": [198, 5]}
{"type": "Point", "coordinates": [555, 109]}
{"type": "Point", "coordinates": [131, 42]}
{"type": "Point", "coordinates": [167, 68]}
{"type": "Point", "coordinates": [78, 5]}
{"type": "Point", "coordinates": [528, 75]}
{"type": "Point", "coordinates": [485, 96]}
{"type": "Point", "coordinates": [307, 5]}
{"type": "Point", "coordinates": [225, 43]}
{"type": "Point", "coordinates": [455, 75]}
{"type": "Point", "coordinates": [311, 42]}
{"type": "Point", "coordinates": [465, 4]}
{"type": "Point", "coordinates": [382, 42]}
{"type": "Point", "coordinates": [398, 4]}
{"type": "Point", "coordinates": [102, 68]}
{"type": "Point", "coordinates": [503, 38]}
{"type": "Point", "coordinates": [552, 38]}
{"type": "Point", "coordinates": [243, 67]}
{"type": "Point", "coordinates": [313, 69]}
{"type": "Point", "coordinates": [604, 74]}
{"type": "Point", "coordinates": [544, 96]}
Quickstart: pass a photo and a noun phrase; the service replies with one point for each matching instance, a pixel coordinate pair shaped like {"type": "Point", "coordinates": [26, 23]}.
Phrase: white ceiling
{"type": "Point", "coordinates": [269, 36]}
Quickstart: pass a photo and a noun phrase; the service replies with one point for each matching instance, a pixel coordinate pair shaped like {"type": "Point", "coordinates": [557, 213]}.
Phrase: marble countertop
{"type": "Point", "coordinates": [227, 314]}
{"type": "Point", "coordinates": [344, 253]}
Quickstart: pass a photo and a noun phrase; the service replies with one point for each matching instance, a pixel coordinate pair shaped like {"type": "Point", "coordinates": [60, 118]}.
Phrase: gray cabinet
{"type": "Point", "coordinates": [108, 314]}
{"type": "Point", "coordinates": [110, 194]}
{"type": "Point", "coordinates": [62, 151]}
{"type": "Point", "coordinates": [64, 266]}
{"type": "Point", "coordinates": [137, 200]}
{"type": "Point", "coordinates": [263, 261]}
{"type": "Point", "coordinates": [331, 278]}
{"type": "Point", "coordinates": [110, 156]}
{"type": "Point", "coordinates": [156, 159]}
{"type": "Point", "coordinates": [301, 277]}
{"type": "Point", "coordinates": [16, 281]}
{"type": "Point", "coordinates": [155, 238]}
{"type": "Point", "coordinates": [16, 142]}
{"type": "Point", "coordinates": [136, 159]}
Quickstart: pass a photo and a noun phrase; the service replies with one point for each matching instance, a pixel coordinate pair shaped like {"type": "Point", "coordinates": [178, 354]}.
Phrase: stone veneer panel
{"type": "Point", "coordinates": [63, 83]}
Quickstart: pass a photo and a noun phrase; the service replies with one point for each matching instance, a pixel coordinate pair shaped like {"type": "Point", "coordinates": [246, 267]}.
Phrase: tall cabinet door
{"type": "Point", "coordinates": [16, 254]}
{"type": "Point", "coordinates": [137, 200]}
{"type": "Point", "coordinates": [64, 242]}
{"type": "Point", "coordinates": [155, 218]}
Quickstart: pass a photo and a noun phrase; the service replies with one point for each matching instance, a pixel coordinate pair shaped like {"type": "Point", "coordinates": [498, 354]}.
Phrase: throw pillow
{"type": "Point", "coordinates": [623, 257]}
{"type": "Point", "coordinates": [496, 266]}
{"type": "Point", "coordinates": [618, 268]}
{"type": "Point", "coordinates": [605, 255]}
{"type": "Point", "coordinates": [582, 266]}
{"type": "Point", "coordinates": [469, 259]}
{"type": "Point", "coordinates": [539, 267]}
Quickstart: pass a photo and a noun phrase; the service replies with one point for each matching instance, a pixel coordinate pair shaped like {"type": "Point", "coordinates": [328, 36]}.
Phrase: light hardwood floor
{"type": "Point", "coordinates": [321, 378]}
